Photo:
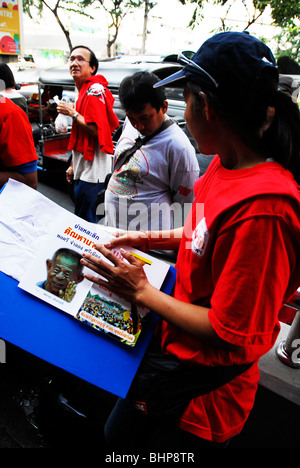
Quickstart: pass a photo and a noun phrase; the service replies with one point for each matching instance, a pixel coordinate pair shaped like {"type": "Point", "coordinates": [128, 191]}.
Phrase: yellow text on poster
{"type": "Point", "coordinates": [9, 27]}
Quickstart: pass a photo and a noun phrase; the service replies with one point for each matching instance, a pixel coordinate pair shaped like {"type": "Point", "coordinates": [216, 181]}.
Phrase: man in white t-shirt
{"type": "Point", "coordinates": [158, 179]}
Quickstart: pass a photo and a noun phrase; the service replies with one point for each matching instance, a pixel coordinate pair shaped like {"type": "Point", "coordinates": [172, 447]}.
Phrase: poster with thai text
{"type": "Point", "coordinates": [56, 276]}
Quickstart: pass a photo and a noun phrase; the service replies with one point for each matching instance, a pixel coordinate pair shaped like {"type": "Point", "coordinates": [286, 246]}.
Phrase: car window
{"type": "Point", "coordinates": [175, 93]}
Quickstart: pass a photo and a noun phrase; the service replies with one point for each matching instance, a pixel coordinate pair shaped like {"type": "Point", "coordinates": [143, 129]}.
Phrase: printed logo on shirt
{"type": "Point", "coordinates": [184, 191]}
{"type": "Point", "coordinates": [98, 90]}
{"type": "Point", "coordinates": [200, 238]}
{"type": "Point", "coordinates": [125, 182]}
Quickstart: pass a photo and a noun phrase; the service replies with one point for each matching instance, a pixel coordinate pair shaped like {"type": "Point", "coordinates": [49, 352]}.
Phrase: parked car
{"type": "Point", "coordinates": [52, 146]}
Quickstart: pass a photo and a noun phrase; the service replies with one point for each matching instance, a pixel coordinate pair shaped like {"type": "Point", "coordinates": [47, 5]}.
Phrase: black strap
{"type": "Point", "coordinates": [126, 154]}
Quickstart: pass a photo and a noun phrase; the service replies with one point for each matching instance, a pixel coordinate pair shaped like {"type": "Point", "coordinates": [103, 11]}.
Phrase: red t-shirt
{"type": "Point", "coordinates": [239, 257]}
{"type": "Point", "coordinates": [95, 103]}
{"type": "Point", "coordinates": [16, 140]}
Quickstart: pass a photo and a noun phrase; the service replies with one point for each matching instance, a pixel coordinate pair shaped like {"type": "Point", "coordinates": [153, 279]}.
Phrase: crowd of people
{"type": "Point", "coordinates": [237, 258]}
{"type": "Point", "coordinates": [108, 312]}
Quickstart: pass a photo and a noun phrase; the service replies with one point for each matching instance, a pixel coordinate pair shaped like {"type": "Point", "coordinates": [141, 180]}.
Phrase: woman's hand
{"type": "Point", "coordinates": [128, 280]}
{"type": "Point", "coordinates": [145, 240]}
{"type": "Point", "coordinates": [137, 239]}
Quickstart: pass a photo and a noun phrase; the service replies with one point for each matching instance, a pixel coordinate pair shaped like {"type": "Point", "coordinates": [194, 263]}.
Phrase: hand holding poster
{"type": "Point", "coordinates": [42, 245]}
{"type": "Point", "coordinates": [57, 277]}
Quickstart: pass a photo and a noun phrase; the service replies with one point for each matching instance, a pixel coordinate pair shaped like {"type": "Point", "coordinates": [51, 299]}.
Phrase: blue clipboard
{"type": "Point", "coordinates": [59, 339]}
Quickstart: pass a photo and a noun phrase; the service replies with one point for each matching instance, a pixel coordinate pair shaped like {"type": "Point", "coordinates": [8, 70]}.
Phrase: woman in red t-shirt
{"type": "Point", "coordinates": [238, 253]}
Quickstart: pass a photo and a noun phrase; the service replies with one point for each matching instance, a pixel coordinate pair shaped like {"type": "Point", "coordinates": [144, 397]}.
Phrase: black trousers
{"type": "Point", "coordinates": [126, 429]}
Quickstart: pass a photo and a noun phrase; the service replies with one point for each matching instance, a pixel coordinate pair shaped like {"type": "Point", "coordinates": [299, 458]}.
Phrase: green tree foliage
{"type": "Point", "coordinates": [283, 12]}
{"type": "Point", "coordinates": [289, 45]}
{"type": "Point", "coordinates": [55, 7]}
{"type": "Point", "coordinates": [116, 11]}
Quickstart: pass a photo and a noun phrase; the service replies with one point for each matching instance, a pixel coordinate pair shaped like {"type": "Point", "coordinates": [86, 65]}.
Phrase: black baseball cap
{"type": "Point", "coordinates": [228, 57]}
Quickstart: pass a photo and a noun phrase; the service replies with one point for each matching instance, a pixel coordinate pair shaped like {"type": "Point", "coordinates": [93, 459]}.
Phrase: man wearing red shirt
{"type": "Point", "coordinates": [18, 158]}
{"type": "Point", "coordinates": [91, 135]}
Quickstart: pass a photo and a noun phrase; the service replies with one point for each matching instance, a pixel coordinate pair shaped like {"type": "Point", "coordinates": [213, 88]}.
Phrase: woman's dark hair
{"type": "Point", "coordinates": [93, 59]}
{"type": "Point", "coordinates": [7, 76]}
{"type": "Point", "coordinates": [245, 111]}
{"type": "Point", "coordinates": [137, 90]}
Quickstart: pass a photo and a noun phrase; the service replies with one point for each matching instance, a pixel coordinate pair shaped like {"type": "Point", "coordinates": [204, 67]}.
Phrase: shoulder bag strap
{"type": "Point", "coordinates": [126, 155]}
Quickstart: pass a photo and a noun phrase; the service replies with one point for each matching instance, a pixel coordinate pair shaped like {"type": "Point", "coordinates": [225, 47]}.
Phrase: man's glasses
{"type": "Point", "coordinates": [78, 59]}
{"type": "Point", "coordinates": [182, 58]}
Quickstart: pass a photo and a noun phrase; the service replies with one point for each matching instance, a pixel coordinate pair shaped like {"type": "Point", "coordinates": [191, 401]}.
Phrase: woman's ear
{"type": "Point", "coordinates": [268, 121]}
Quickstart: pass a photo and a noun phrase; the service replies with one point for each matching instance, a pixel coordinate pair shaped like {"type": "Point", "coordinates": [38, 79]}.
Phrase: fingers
{"type": "Point", "coordinates": [70, 291]}
{"type": "Point", "coordinates": [129, 257]}
{"type": "Point", "coordinates": [61, 108]}
{"type": "Point", "coordinates": [70, 174]}
{"type": "Point", "coordinates": [99, 281]}
{"type": "Point", "coordinates": [96, 264]}
{"type": "Point", "coordinates": [118, 276]}
{"type": "Point", "coordinates": [91, 260]}
{"type": "Point", "coordinates": [64, 107]}
{"type": "Point", "coordinates": [116, 242]}
{"type": "Point", "coordinates": [102, 266]}
{"type": "Point", "coordinates": [134, 239]}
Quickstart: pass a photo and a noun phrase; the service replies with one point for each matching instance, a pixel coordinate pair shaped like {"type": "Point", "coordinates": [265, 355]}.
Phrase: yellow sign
{"type": "Point", "coordinates": [9, 27]}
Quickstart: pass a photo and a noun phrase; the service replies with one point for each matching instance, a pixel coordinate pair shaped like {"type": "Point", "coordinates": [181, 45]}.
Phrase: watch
{"type": "Point", "coordinates": [74, 117]}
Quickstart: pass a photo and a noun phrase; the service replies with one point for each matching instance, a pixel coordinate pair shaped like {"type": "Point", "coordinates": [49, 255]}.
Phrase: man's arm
{"type": "Point", "coordinates": [90, 128]}
{"type": "Point", "coordinates": [68, 109]}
